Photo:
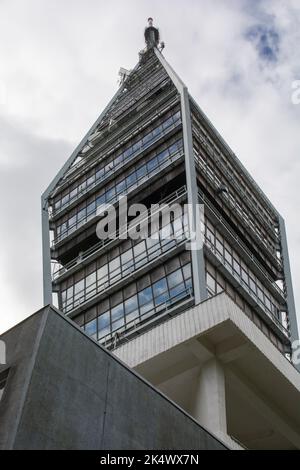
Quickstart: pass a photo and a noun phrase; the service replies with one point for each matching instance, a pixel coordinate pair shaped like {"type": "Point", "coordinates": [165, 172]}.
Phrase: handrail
{"type": "Point", "coordinates": [80, 163]}
{"type": "Point", "coordinates": [133, 324]}
{"type": "Point", "coordinates": [119, 273]}
{"type": "Point", "coordinates": [242, 217]}
{"type": "Point", "coordinates": [230, 269]}
{"type": "Point", "coordinates": [239, 241]}
{"type": "Point", "coordinates": [232, 180]}
{"type": "Point", "coordinates": [111, 171]}
{"type": "Point", "coordinates": [171, 158]}
{"type": "Point", "coordinates": [103, 243]}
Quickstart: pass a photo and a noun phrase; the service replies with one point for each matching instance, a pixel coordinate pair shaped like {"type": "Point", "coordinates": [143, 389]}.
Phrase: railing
{"type": "Point", "coordinates": [112, 170]}
{"type": "Point", "coordinates": [245, 286]}
{"type": "Point", "coordinates": [170, 199]}
{"type": "Point", "coordinates": [233, 181]}
{"type": "Point", "coordinates": [114, 337]}
{"type": "Point", "coordinates": [239, 242]}
{"type": "Point", "coordinates": [241, 215]}
{"type": "Point", "coordinates": [70, 230]}
{"type": "Point", "coordinates": [75, 167]}
{"type": "Point", "coordinates": [99, 286]}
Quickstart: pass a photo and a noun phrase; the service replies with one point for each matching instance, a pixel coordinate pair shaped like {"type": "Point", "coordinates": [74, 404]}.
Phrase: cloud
{"type": "Point", "coordinates": [266, 40]}
{"type": "Point", "coordinates": [59, 68]}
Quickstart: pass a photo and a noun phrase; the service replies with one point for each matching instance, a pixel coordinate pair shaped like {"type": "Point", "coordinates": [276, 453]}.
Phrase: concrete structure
{"type": "Point", "coordinates": [223, 370]}
{"type": "Point", "coordinates": [154, 144]}
{"type": "Point", "coordinates": [64, 391]}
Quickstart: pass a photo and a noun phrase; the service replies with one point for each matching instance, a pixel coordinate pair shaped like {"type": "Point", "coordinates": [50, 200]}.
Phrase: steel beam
{"type": "Point", "coordinates": [197, 255]}
{"type": "Point", "coordinates": [47, 282]}
{"type": "Point", "coordinates": [288, 283]}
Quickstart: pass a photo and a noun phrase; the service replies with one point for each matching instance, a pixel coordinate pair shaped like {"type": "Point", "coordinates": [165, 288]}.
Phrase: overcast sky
{"type": "Point", "coordinates": [59, 63]}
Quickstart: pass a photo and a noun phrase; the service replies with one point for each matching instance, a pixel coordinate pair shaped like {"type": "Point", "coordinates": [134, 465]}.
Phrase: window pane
{"type": "Point", "coordinates": [175, 278]}
{"type": "Point", "coordinates": [159, 287]}
{"type": "Point", "coordinates": [211, 283]}
{"type": "Point", "coordinates": [117, 312]}
{"type": "Point", "coordinates": [91, 328]}
{"type": "Point", "coordinates": [103, 324]}
{"type": "Point", "coordinates": [145, 296]}
{"type": "Point", "coordinates": [141, 171]}
{"type": "Point", "coordinates": [131, 304]}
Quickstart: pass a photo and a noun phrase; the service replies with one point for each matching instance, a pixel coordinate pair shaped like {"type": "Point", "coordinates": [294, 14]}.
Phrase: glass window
{"type": "Point", "coordinates": [136, 146]}
{"type": "Point", "coordinates": [118, 324]}
{"type": "Point", "coordinates": [73, 193]}
{"type": "Point", "coordinates": [131, 304]}
{"type": "Point", "coordinates": [152, 164]}
{"type": "Point", "coordinates": [91, 328]}
{"type": "Point", "coordinates": [91, 207]}
{"type": "Point", "coordinates": [245, 276]}
{"type": "Point", "coordinates": [81, 214]}
{"type": "Point", "coordinates": [91, 180]}
{"type": "Point", "coordinates": [187, 272]}
{"type": "Point", "coordinates": [145, 296]}
{"type": "Point", "coordinates": [175, 278]}
{"type": "Point", "coordinates": [147, 138]}
{"type": "Point", "coordinates": [161, 299]}
{"type": "Point", "coordinates": [117, 312]}
{"type": "Point", "coordinates": [110, 194]}
{"type": "Point", "coordinates": [102, 276]}
{"type": "Point", "coordinates": [100, 174]}
{"type": "Point", "coordinates": [127, 153]}
{"type": "Point", "coordinates": [121, 187]}
{"type": "Point", "coordinates": [153, 249]}
{"type": "Point", "coordinates": [162, 156]}
{"type": "Point", "coordinates": [118, 160]}
{"type": "Point", "coordinates": [90, 284]}
{"type": "Point", "coordinates": [131, 179]}
{"type": "Point", "coordinates": [141, 172]}
{"type": "Point", "coordinates": [228, 257]}
{"type": "Point", "coordinates": [157, 131]}
{"type": "Point", "coordinates": [100, 200]}
{"type": "Point", "coordinates": [159, 287]}
{"type": "Point", "coordinates": [167, 123]}
{"type": "Point", "coordinates": [252, 284]}
{"type": "Point", "coordinates": [211, 283]}
{"type": "Point", "coordinates": [219, 246]}
{"type": "Point", "coordinates": [72, 222]}
{"type": "Point", "coordinates": [104, 324]}
{"type": "Point", "coordinates": [177, 292]}
{"type": "Point", "coordinates": [173, 149]}
{"type": "Point", "coordinates": [260, 294]}
{"type": "Point", "coordinates": [114, 266]}
{"type": "Point", "coordinates": [131, 308]}
{"type": "Point", "coordinates": [127, 261]}
{"type": "Point", "coordinates": [236, 266]}
{"type": "Point", "coordinates": [139, 251]}
{"type": "Point", "coordinates": [79, 289]}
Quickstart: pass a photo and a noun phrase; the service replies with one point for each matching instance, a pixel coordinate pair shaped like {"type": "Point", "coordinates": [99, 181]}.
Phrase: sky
{"type": "Point", "coordinates": [59, 64]}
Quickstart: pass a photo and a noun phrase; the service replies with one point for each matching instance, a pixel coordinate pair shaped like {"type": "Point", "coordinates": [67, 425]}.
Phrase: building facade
{"type": "Point", "coordinates": [154, 145]}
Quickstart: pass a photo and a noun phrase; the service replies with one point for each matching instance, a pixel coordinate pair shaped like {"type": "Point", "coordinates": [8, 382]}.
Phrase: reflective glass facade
{"type": "Point", "coordinates": [138, 149]}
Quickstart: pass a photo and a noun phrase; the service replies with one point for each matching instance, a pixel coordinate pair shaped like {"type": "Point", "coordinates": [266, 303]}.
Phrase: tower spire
{"type": "Point", "coordinates": [151, 35]}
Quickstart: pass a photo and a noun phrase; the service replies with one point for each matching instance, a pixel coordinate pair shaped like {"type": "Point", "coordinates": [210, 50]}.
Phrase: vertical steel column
{"type": "Point", "coordinates": [288, 282]}
{"type": "Point", "coordinates": [198, 264]}
{"type": "Point", "coordinates": [47, 281]}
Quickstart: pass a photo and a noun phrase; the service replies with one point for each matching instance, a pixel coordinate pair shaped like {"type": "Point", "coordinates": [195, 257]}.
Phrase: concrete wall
{"type": "Point", "coordinates": [66, 392]}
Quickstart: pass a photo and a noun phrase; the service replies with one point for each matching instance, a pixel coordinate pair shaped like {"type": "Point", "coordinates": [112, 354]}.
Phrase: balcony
{"type": "Point", "coordinates": [59, 272]}
{"type": "Point", "coordinates": [236, 280]}
{"type": "Point", "coordinates": [114, 168]}
{"type": "Point", "coordinates": [91, 215]}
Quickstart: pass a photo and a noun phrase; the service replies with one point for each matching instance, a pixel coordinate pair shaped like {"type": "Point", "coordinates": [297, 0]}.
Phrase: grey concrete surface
{"type": "Point", "coordinates": [64, 391]}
